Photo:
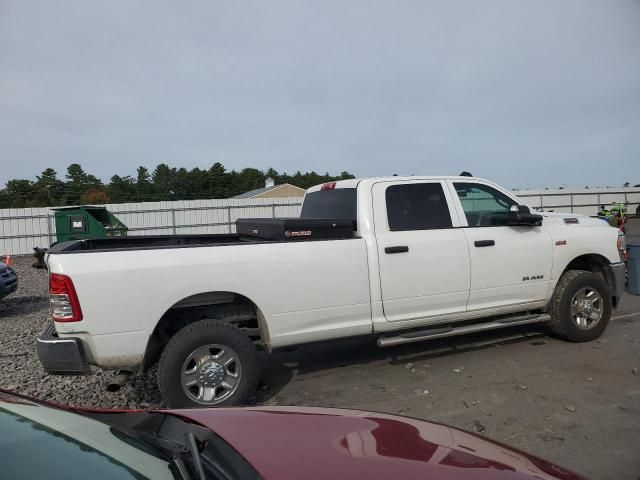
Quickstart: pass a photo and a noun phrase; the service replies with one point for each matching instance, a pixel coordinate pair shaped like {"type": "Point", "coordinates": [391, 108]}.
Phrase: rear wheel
{"type": "Point", "coordinates": [208, 363]}
{"type": "Point", "coordinates": [581, 306]}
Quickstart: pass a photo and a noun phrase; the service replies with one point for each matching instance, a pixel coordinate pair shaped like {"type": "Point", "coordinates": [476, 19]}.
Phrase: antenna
{"type": "Point", "coordinates": [465, 174]}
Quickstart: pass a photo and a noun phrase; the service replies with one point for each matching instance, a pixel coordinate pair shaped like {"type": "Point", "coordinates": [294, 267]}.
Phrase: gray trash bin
{"type": "Point", "coordinates": [633, 267]}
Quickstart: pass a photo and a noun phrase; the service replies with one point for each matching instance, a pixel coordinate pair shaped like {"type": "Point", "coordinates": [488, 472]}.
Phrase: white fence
{"type": "Point", "coordinates": [21, 229]}
{"type": "Point", "coordinates": [584, 201]}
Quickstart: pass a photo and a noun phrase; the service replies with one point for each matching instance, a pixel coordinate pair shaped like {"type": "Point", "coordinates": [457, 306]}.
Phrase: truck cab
{"type": "Point", "coordinates": [453, 246]}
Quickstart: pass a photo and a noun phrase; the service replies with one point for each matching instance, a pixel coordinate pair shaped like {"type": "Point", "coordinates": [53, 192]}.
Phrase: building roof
{"type": "Point", "coordinates": [257, 191]}
{"type": "Point", "coordinates": [260, 191]}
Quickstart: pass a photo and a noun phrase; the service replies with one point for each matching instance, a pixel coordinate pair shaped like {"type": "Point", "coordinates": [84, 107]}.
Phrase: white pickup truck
{"type": "Point", "coordinates": [429, 257]}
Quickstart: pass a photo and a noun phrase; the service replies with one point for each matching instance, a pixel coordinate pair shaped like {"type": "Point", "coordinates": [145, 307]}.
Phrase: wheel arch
{"type": "Point", "coordinates": [596, 263]}
{"type": "Point", "coordinates": [229, 307]}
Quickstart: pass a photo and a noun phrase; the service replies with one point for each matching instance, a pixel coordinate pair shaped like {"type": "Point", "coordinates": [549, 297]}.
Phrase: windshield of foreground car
{"type": "Point", "coordinates": [42, 442]}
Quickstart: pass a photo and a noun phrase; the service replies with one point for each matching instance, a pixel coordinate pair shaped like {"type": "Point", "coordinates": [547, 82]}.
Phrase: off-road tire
{"type": "Point", "coordinates": [561, 323]}
{"type": "Point", "coordinates": [190, 338]}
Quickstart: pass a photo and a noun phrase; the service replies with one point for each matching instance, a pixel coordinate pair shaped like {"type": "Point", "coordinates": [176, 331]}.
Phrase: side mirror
{"type": "Point", "coordinates": [521, 215]}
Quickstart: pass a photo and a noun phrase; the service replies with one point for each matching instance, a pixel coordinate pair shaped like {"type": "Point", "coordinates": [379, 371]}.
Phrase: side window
{"type": "Point", "coordinates": [417, 206]}
{"type": "Point", "coordinates": [483, 206]}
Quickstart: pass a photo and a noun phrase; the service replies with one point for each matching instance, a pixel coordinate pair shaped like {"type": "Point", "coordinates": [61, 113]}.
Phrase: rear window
{"type": "Point", "coordinates": [338, 203]}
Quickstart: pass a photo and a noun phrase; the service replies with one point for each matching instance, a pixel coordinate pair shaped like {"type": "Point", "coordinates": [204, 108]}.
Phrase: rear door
{"type": "Point", "coordinates": [510, 265]}
{"type": "Point", "coordinates": [423, 258]}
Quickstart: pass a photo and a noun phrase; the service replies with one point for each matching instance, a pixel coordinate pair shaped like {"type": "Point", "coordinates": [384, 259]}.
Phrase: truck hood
{"type": "Point", "coordinates": [560, 218]}
{"type": "Point", "coordinates": [319, 443]}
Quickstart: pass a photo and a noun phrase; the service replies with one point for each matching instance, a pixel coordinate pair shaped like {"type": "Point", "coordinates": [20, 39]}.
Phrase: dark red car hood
{"type": "Point", "coordinates": [320, 443]}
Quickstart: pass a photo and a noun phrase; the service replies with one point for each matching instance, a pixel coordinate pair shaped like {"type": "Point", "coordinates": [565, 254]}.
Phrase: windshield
{"type": "Point", "coordinates": [42, 442]}
{"type": "Point", "coordinates": [339, 203]}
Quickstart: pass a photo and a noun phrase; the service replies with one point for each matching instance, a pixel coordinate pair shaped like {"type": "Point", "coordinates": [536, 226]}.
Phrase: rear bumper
{"type": "Point", "coordinates": [619, 271]}
{"type": "Point", "coordinates": [61, 356]}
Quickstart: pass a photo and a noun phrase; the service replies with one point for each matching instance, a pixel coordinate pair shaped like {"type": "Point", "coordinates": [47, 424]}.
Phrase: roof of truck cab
{"type": "Point", "coordinates": [354, 182]}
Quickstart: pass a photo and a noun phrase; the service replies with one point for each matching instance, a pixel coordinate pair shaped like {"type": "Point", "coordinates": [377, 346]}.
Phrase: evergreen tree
{"type": "Point", "coordinates": [218, 181]}
{"type": "Point", "coordinates": [162, 178]}
{"type": "Point", "coordinates": [123, 189]}
{"type": "Point", "coordinates": [78, 182]}
{"type": "Point", "coordinates": [19, 193]}
{"type": "Point", "coordinates": [48, 190]}
{"type": "Point", "coordinates": [144, 187]}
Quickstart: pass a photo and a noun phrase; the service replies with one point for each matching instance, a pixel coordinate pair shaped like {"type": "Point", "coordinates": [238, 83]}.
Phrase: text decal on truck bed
{"type": "Point", "coordinates": [299, 233]}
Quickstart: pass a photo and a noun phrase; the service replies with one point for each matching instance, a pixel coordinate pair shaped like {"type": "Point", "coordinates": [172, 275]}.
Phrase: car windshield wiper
{"type": "Point", "coordinates": [188, 452]}
{"type": "Point", "coordinates": [181, 467]}
{"type": "Point", "coordinates": [192, 446]}
{"type": "Point", "coordinates": [149, 444]}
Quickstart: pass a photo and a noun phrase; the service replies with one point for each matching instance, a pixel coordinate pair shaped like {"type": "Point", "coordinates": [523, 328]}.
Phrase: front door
{"type": "Point", "coordinates": [423, 258]}
{"type": "Point", "coordinates": [510, 265]}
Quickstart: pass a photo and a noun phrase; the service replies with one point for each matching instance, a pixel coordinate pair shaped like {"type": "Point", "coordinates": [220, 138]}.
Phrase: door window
{"type": "Point", "coordinates": [417, 206]}
{"type": "Point", "coordinates": [483, 206]}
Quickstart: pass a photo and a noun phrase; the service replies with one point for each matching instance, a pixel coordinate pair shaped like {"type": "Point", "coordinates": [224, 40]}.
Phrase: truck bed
{"type": "Point", "coordinates": [250, 231]}
{"type": "Point", "coordinates": [296, 283]}
{"type": "Point", "coordinates": [147, 242]}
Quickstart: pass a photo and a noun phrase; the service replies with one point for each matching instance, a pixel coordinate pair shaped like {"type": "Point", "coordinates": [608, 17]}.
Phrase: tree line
{"type": "Point", "coordinates": [163, 183]}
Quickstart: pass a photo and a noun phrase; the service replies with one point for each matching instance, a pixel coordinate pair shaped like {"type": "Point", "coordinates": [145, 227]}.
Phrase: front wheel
{"type": "Point", "coordinates": [581, 306]}
{"type": "Point", "coordinates": [208, 363]}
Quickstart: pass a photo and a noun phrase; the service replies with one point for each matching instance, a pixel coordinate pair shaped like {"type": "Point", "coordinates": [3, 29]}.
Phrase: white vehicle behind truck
{"type": "Point", "coordinates": [427, 257]}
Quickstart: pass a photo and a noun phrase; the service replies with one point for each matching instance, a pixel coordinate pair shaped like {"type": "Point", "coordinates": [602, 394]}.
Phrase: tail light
{"type": "Point", "coordinates": [63, 299]}
{"type": "Point", "coordinates": [622, 248]}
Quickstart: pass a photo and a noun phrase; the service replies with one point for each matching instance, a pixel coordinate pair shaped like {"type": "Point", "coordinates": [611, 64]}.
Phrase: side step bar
{"type": "Point", "coordinates": [450, 331]}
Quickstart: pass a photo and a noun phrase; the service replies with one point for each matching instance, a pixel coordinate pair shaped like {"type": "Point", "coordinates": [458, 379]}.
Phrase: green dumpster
{"type": "Point", "coordinates": [76, 223]}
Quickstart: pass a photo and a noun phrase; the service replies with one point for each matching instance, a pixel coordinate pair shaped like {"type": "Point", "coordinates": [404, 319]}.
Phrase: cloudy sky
{"type": "Point", "coordinates": [527, 93]}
